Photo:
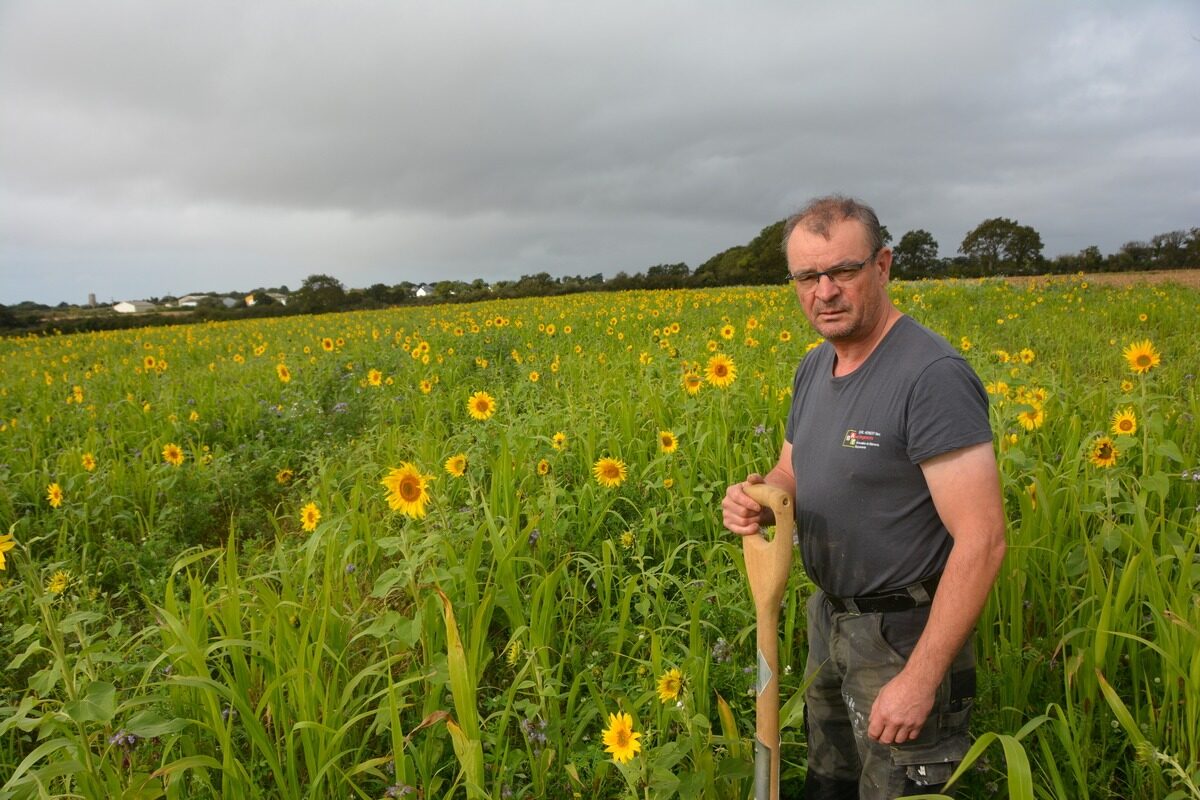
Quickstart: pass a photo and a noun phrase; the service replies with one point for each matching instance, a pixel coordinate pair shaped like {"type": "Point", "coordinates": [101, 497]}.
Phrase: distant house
{"type": "Point", "coordinates": [193, 300]}
{"type": "Point", "coordinates": [133, 307]}
{"type": "Point", "coordinates": [424, 290]}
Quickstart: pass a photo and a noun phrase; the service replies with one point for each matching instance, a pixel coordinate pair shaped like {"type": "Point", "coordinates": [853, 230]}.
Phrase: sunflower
{"type": "Point", "coordinates": [426, 386]}
{"type": "Point", "coordinates": [58, 582]}
{"type": "Point", "coordinates": [543, 467]}
{"type": "Point", "coordinates": [284, 476]}
{"type": "Point", "coordinates": [692, 382]}
{"type": "Point", "coordinates": [533, 376]}
{"type": "Point", "coordinates": [88, 461]}
{"type": "Point", "coordinates": [609, 472]}
{"type": "Point", "coordinates": [1104, 452]}
{"type": "Point", "coordinates": [1032, 418]}
{"type": "Point", "coordinates": [172, 454]}
{"type": "Point", "coordinates": [785, 336]}
{"type": "Point", "coordinates": [620, 739]}
{"type": "Point", "coordinates": [727, 332]}
{"type": "Point", "coordinates": [6, 543]}
{"type": "Point", "coordinates": [481, 405]}
{"type": "Point", "coordinates": [456, 465]}
{"type": "Point", "coordinates": [559, 441]}
{"type": "Point", "coordinates": [720, 371]}
{"type": "Point", "coordinates": [1027, 356]}
{"type": "Point", "coordinates": [54, 495]}
{"type": "Point", "coordinates": [1142, 356]}
{"type": "Point", "coordinates": [670, 684]}
{"type": "Point", "coordinates": [1124, 422]}
{"type": "Point", "coordinates": [375, 377]}
{"type": "Point", "coordinates": [310, 515]}
{"type": "Point", "coordinates": [1126, 386]}
{"type": "Point", "coordinates": [283, 372]}
{"type": "Point", "coordinates": [149, 363]}
{"type": "Point", "coordinates": [667, 442]}
{"type": "Point", "coordinates": [327, 344]}
{"type": "Point", "coordinates": [407, 490]}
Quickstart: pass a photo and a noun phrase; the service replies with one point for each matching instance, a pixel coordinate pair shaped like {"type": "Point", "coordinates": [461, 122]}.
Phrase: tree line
{"type": "Point", "coordinates": [996, 247]}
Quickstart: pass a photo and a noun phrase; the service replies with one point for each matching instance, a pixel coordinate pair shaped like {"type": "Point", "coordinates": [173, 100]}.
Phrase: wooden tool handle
{"type": "Point", "coordinates": [767, 567]}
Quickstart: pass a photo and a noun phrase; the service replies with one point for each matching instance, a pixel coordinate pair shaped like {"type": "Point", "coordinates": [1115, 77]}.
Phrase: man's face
{"type": "Point", "coordinates": [841, 312]}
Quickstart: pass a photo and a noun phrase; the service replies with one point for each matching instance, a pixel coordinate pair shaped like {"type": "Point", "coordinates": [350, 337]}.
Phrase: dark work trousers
{"type": "Point", "coordinates": [851, 656]}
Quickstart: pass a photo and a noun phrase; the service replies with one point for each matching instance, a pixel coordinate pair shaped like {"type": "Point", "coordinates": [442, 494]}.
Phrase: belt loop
{"type": "Point", "coordinates": [850, 605]}
{"type": "Point", "coordinates": [918, 592]}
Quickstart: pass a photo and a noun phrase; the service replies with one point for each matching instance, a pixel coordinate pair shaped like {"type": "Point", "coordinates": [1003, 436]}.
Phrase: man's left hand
{"type": "Point", "coordinates": [900, 710]}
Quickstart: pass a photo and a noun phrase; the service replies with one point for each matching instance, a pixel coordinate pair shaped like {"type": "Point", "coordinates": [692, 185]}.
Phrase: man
{"type": "Point", "coordinates": [888, 453]}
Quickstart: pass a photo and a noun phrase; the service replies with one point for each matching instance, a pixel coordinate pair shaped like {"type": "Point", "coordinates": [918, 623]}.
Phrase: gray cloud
{"type": "Point", "coordinates": [154, 147]}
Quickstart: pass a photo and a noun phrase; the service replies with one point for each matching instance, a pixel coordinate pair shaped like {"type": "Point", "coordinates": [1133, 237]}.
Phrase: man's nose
{"type": "Point", "coordinates": [826, 287]}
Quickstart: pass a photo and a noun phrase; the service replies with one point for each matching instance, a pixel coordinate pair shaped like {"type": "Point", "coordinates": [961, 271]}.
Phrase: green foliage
{"type": "Point", "coordinates": [200, 643]}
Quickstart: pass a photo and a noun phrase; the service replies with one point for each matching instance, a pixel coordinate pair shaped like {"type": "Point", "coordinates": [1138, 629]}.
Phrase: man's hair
{"type": "Point", "coordinates": [820, 214]}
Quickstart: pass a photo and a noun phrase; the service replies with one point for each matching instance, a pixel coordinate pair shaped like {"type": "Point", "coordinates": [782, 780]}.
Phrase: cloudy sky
{"type": "Point", "coordinates": [153, 147]}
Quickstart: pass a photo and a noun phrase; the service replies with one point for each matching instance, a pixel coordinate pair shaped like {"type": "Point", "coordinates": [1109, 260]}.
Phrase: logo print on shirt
{"type": "Point", "coordinates": [860, 440]}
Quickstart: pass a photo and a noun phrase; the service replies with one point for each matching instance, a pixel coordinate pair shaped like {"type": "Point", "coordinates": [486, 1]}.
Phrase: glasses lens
{"type": "Point", "coordinates": [844, 274]}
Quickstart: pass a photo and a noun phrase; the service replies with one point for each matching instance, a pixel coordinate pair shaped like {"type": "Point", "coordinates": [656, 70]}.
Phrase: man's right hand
{"type": "Point", "coordinates": [741, 514]}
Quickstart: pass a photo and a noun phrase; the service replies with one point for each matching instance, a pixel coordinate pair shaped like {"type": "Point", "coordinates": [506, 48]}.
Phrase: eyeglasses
{"type": "Point", "coordinates": [843, 273]}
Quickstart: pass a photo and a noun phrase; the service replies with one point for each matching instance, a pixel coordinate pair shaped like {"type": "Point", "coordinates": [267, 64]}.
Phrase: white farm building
{"type": "Point", "coordinates": [133, 307]}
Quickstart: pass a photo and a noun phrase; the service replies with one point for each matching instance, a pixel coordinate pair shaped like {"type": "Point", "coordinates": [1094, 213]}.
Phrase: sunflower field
{"type": "Point", "coordinates": [476, 551]}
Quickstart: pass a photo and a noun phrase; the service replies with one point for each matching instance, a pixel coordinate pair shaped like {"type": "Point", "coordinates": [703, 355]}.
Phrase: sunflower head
{"type": "Point", "coordinates": [481, 405]}
{"type": "Point", "coordinates": [667, 442]}
{"type": "Point", "coordinates": [620, 739]}
{"type": "Point", "coordinates": [1142, 357]}
{"type": "Point", "coordinates": [456, 465]}
{"type": "Point", "coordinates": [721, 371]}
{"type": "Point", "coordinates": [670, 684]}
{"type": "Point", "coordinates": [172, 454]}
{"type": "Point", "coordinates": [58, 582]}
{"type": "Point", "coordinates": [1124, 422]}
{"type": "Point", "coordinates": [1104, 453]}
{"type": "Point", "coordinates": [609, 472]}
{"type": "Point", "coordinates": [310, 515]}
{"type": "Point", "coordinates": [408, 490]}
{"type": "Point", "coordinates": [559, 440]}
{"type": "Point", "coordinates": [1032, 418]}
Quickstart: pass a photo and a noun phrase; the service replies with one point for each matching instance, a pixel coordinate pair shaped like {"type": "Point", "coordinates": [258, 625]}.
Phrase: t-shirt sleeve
{"type": "Point", "coordinates": [947, 410]}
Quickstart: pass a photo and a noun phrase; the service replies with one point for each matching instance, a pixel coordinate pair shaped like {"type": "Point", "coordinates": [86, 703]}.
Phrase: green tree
{"type": "Point", "coordinates": [916, 254]}
{"type": "Point", "coordinates": [1003, 245]}
{"type": "Point", "coordinates": [760, 262]}
{"type": "Point", "coordinates": [320, 293]}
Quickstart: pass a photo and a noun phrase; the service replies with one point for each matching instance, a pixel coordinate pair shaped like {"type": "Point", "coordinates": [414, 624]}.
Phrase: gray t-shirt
{"type": "Point", "coordinates": [866, 520]}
